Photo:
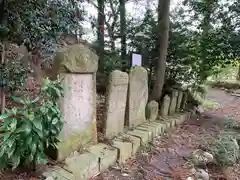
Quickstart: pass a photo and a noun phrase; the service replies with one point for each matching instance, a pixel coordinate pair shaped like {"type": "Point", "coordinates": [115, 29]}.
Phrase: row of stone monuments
{"type": "Point", "coordinates": [126, 99]}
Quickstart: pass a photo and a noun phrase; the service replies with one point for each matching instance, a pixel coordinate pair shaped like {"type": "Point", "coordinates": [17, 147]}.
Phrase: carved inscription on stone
{"type": "Point", "coordinates": [116, 103]}
{"type": "Point", "coordinates": [78, 103]}
{"type": "Point", "coordinates": [137, 97]}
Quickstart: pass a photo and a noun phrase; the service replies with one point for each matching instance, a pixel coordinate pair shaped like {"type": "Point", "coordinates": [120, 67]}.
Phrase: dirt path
{"type": "Point", "coordinates": [167, 156]}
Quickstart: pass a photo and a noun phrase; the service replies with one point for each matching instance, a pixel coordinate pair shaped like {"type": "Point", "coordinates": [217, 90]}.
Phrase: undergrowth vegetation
{"type": "Point", "coordinates": [232, 124]}
{"type": "Point", "coordinates": [28, 130]}
{"type": "Point", "coordinates": [226, 150]}
{"type": "Point", "coordinates": [225, 147]}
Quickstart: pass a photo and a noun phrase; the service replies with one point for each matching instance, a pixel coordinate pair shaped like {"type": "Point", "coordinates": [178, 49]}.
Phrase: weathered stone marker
{"type": "Point", "coordinates": [152, 110]}
{"type": "Point", "coordinates": [184, 100]}
{"type": "Point", "coordinates": [137, 96]}
{"type": "Point", "coordinates": [173, 102]}
{"type": "Point", "coordinates": [78, 65]}
{"type": "Point", "coordinates": [179, 100]}
{"type": "Point", "coordinates": [116, 101]}
{"type": "Point", "coordinates": [165, 106]}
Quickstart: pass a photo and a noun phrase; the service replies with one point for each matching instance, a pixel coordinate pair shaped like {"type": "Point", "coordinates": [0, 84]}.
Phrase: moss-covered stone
{"type": "Point", "coordinates": [75, 142]}
{"type": "Point", "coordinates": [76, 58]}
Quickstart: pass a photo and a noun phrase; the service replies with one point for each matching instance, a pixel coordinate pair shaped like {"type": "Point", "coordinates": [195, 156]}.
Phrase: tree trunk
{"type": "Point", "coordinates": [238, 74]}
{"type": "Point", "coordinates": [3, 101]}
{"type": "Point", "coordinates": [2, 93]}
{"type": "Point", "coordinates": [100, 32]}
{"type": "Point", "coordinates": [123, 32]}
{"type": "Point", "coordinates": [163, 25]}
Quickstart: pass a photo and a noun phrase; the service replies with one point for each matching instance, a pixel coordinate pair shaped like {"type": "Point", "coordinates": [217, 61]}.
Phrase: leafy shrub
{"type": "Point", "coordinates": [27, 131]}
{"type": "Point", "coordinates": [226, 150]}
{"type": "Point", "coordinates": [111, 63]}
{"type": "Point", "coordinates": [232, 124]}
{"type": "Point", "coordinates": [13, 75]}
{"type": "Point", "coordinates": [227, 73]}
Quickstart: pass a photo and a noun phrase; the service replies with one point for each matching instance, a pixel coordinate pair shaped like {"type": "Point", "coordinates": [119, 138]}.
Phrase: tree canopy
{"type": "Point", "coordinates": [203, 35]}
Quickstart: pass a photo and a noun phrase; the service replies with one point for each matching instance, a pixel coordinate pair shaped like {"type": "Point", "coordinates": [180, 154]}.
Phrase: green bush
{"type": "Point", "coordinates": [13, 75]}
{"type": "Point", "coordinates": [111, 63]}
{"type": "Point", "coordinates": [28, 130]}
{"type": "Point", "coordinates": [232, 124]}
{"type": "Point", "coordinates": [226, 150]}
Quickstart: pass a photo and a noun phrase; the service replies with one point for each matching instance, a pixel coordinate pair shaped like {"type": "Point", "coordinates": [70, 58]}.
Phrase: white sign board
{"type": "Point", "coordinates": [136, 59]}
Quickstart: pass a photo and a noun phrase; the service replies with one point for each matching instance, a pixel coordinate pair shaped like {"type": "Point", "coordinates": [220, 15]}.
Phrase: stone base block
{"type": "Point", "coordinates": [180, 119]}
{"type": "Point", "coordinates": [89, 164]}
{"type": "Point", "coordinates": [151, 127]}
{"type": "Point", "coordinates": [83, 166]}
{"type": "Point", "coordinates": [58, 173]}
{"type": "Point", "coordinates": [145, 136]}
{"type": "Point", "coordinates": [167, 123]}
{"type": "Point", "coordinates": [161, 126]}
{"type": "Point", "coordinates": [124, 150]}
{"type": "Point", "coordinates": [173, 121]}
{"type": "Point", "coordinates": [135, 141]}
{"type": "Point", "coordinates": [107, 155]}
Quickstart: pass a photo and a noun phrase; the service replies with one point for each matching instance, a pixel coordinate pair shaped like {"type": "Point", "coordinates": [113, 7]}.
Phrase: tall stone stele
{"type": "Point", "coordinates": [173, 102]}
{"type": "Point", "coordinates": [179, 101]}
{"type": "Point", "coordinates": [77, 64]}
{"type": "Point", "coordinates": [137, 96]}
{"type": "Point", "coordinates": [116, 101]}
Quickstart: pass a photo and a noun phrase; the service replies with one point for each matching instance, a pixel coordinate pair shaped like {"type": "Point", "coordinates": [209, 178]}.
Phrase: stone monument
{"type": "Point", "coordinates": [137, 96]}
{"type": "Point", "coordinates": [77, 64]}
{"type": "Point", "coordinates": [116, 101]}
